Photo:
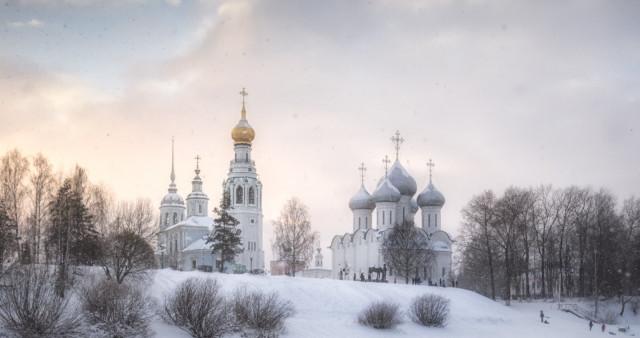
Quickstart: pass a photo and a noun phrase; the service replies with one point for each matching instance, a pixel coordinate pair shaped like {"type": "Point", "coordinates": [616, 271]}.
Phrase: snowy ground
{"type": "Point", "coordinates": [328, 308]}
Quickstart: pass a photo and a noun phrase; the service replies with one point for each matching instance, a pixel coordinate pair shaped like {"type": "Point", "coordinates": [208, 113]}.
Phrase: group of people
{"type": "Point", "coordinates": [590, 322]}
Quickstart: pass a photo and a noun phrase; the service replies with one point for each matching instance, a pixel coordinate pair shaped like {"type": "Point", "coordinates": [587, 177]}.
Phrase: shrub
{"type": "Point", "coordinates": [117, 310]}
{"type": "Point", "coordinates": [429, 310]}
{"type": "Point", "coordinates": [198, 307]}
{"type": "Point", "coordinates": [259, 314]}
{"type": "Point", "coordinates": [31, 307]}
{"type": "Point", "coordinates": [380, 315]}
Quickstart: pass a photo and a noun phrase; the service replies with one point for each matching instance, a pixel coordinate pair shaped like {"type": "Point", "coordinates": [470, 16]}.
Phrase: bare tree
{"type": "Point", "coordinates": [406, 249]}
{"type": "Point", "coordinates": [40, 193]}
{"type": "Point", "coordinates": [476, 238]}
{"type": "Point", "coordinates": [294, 240]}
{"type": "Point", "coordinates": [127, 254]}
{"type": "Point", "coordinates": [136, 217]}
{"type": "Point", "coordinates": [12, 174]}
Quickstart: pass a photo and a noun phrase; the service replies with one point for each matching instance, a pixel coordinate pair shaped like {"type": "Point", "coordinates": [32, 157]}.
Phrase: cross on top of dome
{"type": "Point", "coordinates": [398, 141]}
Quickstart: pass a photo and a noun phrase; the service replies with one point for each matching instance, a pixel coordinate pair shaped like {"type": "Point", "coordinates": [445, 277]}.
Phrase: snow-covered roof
{"type": "Point", "coordinates": [199, 245]}
{"type": "Point", "coordinates": [440, 246]}
{"type": "Point", "coordinates": [195, 221]}
{"type": "Point", "coordinates": [431, 196]}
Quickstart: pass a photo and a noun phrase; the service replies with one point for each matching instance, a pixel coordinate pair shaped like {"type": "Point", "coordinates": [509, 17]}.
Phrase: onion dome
{"type": "Point", "coordinates": [361, 200]}
{"type": "Point", "coordinates": [386, 192]}
{"type": "Point", "coordinates": [430, 197]}
{"type": "Point", "coordinates": [401, 179]}
{"type": "Point", "coordinates": [242, 133]}
{"type": "Point", "coordinates": [414, 206]}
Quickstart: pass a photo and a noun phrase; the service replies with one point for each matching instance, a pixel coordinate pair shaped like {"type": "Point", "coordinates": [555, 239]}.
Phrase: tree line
{"type": "Point", "coordinates": [62, 219]}
{"type": "Point", "coordinates": [541, 242]}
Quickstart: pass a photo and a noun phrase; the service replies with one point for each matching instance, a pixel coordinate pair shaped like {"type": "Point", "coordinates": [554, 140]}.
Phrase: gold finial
{"type": "Point", "coordinates": [430, 164]}
{"type": "Point", "coordinates": [386, 164]}
{"type": "Point", "coordinates": [244, 112]}
{"type": "Point", "coordinates": [397, 140]}
{"type": "Point", "coordinates": [362, 170]}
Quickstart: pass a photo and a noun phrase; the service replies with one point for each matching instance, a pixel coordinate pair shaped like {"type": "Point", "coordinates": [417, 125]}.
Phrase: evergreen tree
{"type": "Point", "coordinates": [226, 239]}
{"type": "Point", "coordinates": [71, 234]}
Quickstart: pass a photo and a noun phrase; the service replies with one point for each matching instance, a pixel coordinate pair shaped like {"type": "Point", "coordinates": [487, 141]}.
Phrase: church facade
{"type": "Point", "coordinates": [391, 203]}
{"type": "Point", "coordinates": [183, 229]}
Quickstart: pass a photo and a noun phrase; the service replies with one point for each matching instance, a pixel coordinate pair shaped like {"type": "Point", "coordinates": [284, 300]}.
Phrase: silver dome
{"type": "Point", "coordinates": [431, 197]}
{"type": "Point", "coordinates": [361, 200]}
{"type": "Point", "coordinates": [414, 206]}
{"type": "Point", "coordinates": [386, 192]}
{"type": "Point", "coordinates": [172, 198]}
{"type": "Point", "coordinates": [401, 179]}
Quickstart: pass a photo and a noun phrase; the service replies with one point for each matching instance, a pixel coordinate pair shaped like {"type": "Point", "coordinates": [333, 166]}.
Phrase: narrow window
{"type": "Point", "coordinates": [366, 221]}
{"type": "Point", "coordinates": [239, 197]}
{"type": "Point", "coordinates": [166, 219]}
{"type": "Point", "coordinates": [429, 220]}
{"type": "Point", "coordinates": [382, 217]}
{"type": "Point", "coordinates": [252, 196]}
{"type": "Point", "coordinates": [246, 157]}
{"type": "Point", "coordinates": [442, 272]}
{"type": "Point", "coordinates": [359, 222]}
{"type": "Point", "coordinates": [175, 217]}
{"type": "Point", "coordinates": [436, 223]}
{"type": "Point", "coordinates": [199, 208]}
{"type": "Point", "coordinates": [390, 217]}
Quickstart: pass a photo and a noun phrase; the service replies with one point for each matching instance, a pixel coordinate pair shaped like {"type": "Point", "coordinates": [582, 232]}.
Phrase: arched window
{"type": "Point", "coordinates": [239, 197]}
{"type": "Point", "coordinates": [166, 219]}
{"type": "Point", "coordinates": [359, 222]}
{"type": "Point", "coordinates": [199, 208]}
{"type": "Point", "coordinates": [175, 217]}
{"type": "Point", "coordinates": [382, 217]}
{"type": "Point", "coordinates": [252, 196]}
{"type": "Point", "coordinates": [429, 220]}
{"type": "Point", "coordinates": [436, 224]}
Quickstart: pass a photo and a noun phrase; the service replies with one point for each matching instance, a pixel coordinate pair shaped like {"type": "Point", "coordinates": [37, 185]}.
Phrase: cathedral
{"type": "Point", "coordinates": [183, 229]}
{"type": "Point", "coordinates": [392, 202]}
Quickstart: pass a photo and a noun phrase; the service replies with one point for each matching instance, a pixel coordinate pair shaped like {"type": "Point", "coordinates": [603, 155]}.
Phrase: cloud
{"type": "Point", "coordinates": [30, 23]}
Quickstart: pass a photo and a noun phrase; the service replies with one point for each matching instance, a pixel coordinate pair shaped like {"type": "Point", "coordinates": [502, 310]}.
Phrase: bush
{"type": "Point", "coordinates": [31, 307]}
{"type": "Point", "coordinates": [198, 307]}
{"type": "Point", "coordinates": [380, 315]}
{"type": "Point", "coordinates": [117, 310]}
{"type": "Point", "coordinates": [259, 314]}
{"type": "Point", "coordinates": [429, 310]}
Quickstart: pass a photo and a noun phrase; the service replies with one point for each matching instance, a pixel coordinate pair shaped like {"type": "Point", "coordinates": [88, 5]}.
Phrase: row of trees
{"type": "Point", "coordinates": [60, 219]}
{"type": "Point", "coordinates": [533, 242]}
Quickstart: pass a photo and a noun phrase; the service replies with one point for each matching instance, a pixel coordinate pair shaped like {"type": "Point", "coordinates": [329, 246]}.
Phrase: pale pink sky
{"type": "Point", "coordinates": [497, 93]}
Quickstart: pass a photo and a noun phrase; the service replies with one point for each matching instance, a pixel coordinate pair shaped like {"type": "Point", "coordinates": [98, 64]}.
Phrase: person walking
{"type": "Point", "coordinates": [541, 316]}
{"type": "Point", "coordinates": [603, 327]}
{"type": "Point", "coordinates": [590, 324]}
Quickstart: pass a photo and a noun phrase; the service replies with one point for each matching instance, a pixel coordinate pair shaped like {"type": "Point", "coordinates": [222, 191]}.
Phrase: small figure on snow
{"type": "Point", "coordinates": [590, 324]}
{"type": "Point", "coordinates": [541, 316]}
{"type": "Point", "coordinates": [603, 327]}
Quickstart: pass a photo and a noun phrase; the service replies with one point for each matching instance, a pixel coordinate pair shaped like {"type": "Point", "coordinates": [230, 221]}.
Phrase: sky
{"type": "Point", "coordinates": [496, 93]}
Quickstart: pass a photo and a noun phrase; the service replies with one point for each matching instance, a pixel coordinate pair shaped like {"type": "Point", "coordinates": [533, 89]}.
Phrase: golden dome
{"type": "Point", "coordinates": [242, 133]}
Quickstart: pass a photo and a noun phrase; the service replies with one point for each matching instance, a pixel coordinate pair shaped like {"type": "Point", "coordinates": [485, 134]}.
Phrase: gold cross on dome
{"type": "Point", "coordinates": [362, 169]}
{"type": "Point", "coordinates": [430, 164]}
{"type": "Point", "coordinates": [398, 141]}
{"type": "Point", "coordinates": [243, 93]}
{"type": "Point", "coordinates": [386, 164]}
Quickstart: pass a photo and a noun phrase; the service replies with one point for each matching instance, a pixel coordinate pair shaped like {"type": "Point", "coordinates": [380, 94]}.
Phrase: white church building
{"type": "Point", "coordinates": [391, 203]}
{"type": "Point", "coordinates": [183, 229]}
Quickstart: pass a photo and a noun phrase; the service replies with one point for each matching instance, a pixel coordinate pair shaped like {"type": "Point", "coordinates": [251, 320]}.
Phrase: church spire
{"type": "Point", "coordinates": [244, 112]}
{"type": "Point", "coordinates": [172, 186]}
{"type": "Point", "coordinates": [242, 133]}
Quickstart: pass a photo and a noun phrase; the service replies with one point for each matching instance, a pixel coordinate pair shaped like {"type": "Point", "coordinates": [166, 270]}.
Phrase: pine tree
{"type": "Point", "coordinates": [71, 233]}
{"type": "Point", "coordinates": [226, 239]}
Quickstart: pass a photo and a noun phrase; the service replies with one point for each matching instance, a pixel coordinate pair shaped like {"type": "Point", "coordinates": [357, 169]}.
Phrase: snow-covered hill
{"type": "Point", "coordinates": [328, 308]}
